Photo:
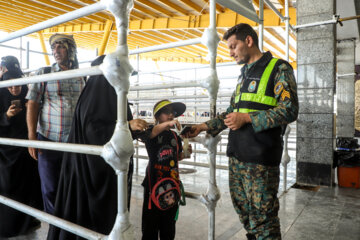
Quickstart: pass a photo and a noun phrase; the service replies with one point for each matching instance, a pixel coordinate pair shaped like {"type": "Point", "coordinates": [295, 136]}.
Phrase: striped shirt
{"type": "Point", "coordinates": [57, 110]}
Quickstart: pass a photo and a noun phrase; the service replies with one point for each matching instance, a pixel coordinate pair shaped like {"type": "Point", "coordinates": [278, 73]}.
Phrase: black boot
{"type": "Point", "coordinates": [250, 236]}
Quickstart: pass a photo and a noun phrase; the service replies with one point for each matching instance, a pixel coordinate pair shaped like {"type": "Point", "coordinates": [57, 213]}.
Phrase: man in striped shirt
{"type": "Point", "coordinates": [50, 111]}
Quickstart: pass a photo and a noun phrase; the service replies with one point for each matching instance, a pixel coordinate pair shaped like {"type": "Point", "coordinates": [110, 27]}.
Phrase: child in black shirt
{"type": "Point", "coordinates": [161, 183]}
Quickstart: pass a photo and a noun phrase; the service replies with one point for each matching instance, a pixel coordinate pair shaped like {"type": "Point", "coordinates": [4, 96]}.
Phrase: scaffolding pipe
{"type": "Point", "coordinates": [27, 55]}
{"type": "Point", "coordinates": [56, 146]}
{"type": "Point", "coordinates": [22, 49]}
{"type": "Point", "coordinates": [58, 222]}
{"type": "Point", "coordinates": [314, 24]}
{"type": "Point", "coordinates": [224, 95]}
{"type": "Point", "coordinates": [212, 195]}
{"type": "Point", "coordinates": [21, 55]}
{"type": "Point", "coordinates": [192, 195]}
{"type": "Point", "coordinates": [261, 25]}
{"type": "Point", "coordinates": [270, 5]}
{"type": "Point", "coordinates": [137, 106]}
{"type": "Point", "coordinates": [349, 18]}
{"type": "Point", "coordinates": [96, 7]}
{"type": "Point", "coordinates": [91, 71]}
{"type": "Point", "coordinates": [162, 86]}
{"type": "Point", "coordinates": [287, 24]}
{"type": "Point", "coordinates": [345, 75]}
{"type": "Point", "coordinates": [189, 68]}
{"type": "Point", "coordinates": [166, 46]}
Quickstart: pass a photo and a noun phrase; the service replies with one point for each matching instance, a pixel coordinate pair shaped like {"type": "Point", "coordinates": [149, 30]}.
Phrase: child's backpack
{"type": "Point", "coordinates": [166, 193]}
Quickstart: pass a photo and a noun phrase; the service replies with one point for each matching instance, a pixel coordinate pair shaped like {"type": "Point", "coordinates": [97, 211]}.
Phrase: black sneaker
{"type": "Point", "coordinates": [250, 236]}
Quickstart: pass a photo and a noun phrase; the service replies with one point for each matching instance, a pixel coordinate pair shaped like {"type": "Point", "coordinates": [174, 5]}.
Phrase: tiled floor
{"type": "Point", "coordinates": [328, 213]}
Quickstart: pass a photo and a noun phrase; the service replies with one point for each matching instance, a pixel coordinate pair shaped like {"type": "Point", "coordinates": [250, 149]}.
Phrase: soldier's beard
{"type": "Point", "coordinates": [244, 60]}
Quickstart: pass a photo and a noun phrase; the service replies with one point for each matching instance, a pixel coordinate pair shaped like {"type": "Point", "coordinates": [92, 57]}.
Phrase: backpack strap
{"type": "Point", "coordinates": [46, 71]}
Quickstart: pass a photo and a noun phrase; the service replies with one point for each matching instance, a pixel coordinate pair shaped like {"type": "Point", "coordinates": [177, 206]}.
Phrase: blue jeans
{"type": "Point", "coordinates": [49, 165]}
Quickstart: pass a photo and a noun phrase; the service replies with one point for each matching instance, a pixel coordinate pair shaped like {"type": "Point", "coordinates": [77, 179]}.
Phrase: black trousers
{"type": "Point", "coordinates": [157, 223]}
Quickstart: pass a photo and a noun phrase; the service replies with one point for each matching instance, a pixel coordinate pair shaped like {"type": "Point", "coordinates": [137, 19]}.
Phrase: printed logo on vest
{"type": "Point", "coordinates": [252, 86]}
{"type": "Point", "coordinates": [278, 88]}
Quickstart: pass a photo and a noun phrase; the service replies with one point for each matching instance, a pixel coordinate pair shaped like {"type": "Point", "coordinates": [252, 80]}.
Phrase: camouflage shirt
{"type": "Point", "coordinates": [285, 112]}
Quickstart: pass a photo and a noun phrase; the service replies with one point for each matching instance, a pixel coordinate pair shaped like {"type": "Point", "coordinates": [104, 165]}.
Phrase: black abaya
{"type": "Point", "coordinates": [19, 178]}
{"type": "Point", "coordinates": [87, 192]}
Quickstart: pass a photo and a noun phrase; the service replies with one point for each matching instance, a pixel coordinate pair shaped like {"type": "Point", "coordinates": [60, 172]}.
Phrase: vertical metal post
{"type": "Point", "coordinates": [212, 177]}
{"type": "Point", "coordinates": [21, 55]}
{"type": "Point", "coordinates": [27, 55]}
{"type": "Point", "coordinates": [287, 23]}
{"type": "Point", "coordinates": [122, 176]}
{"type": "Point", "coordinates": [261, 25]}
{"type": "Point", "coordinates": [287, 20]}
{"type": "Point", "coordinates": [137, 108]}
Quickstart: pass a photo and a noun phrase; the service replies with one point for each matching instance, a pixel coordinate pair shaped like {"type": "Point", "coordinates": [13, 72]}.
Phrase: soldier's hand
{"type": "Point", "coordinates": [195, 130]}
{"type": "Point", "coordinates": [236, 120]}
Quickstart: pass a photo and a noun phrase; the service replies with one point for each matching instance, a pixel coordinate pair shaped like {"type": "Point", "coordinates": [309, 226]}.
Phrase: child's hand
{"type": "Point", "coordinates": [190, 149]}
{"type": "Point", "coordinates": [173, 123]}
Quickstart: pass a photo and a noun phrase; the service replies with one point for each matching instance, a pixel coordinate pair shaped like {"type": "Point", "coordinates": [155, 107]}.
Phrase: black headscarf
{"type": "Point", "coordinates": [13, 66]}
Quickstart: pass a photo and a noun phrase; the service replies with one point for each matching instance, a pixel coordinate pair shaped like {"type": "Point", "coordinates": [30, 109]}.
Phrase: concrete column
{"type": "Point", "coordinates": [316, 81]}
{"type": "Point", "coordinates": [345, 88]}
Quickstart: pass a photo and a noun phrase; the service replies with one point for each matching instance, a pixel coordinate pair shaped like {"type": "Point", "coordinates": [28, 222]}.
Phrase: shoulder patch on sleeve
{"type": "Point", "coordinates": [285, 94]}
{"type": "Point", "coordinates": [278, 88]}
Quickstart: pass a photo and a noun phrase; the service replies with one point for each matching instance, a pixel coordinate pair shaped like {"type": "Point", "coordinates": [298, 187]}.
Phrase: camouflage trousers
{"type": "Point", "coordinates": [253, 190]}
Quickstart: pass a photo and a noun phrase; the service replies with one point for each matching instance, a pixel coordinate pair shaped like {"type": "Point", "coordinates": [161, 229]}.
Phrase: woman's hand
{"type": "Point", "coordinates": [138, 125]}
{"type": "Point", "coordinates": [13, 111]}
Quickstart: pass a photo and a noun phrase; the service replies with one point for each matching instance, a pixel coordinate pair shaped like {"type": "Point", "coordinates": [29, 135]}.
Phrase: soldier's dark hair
{"type": "Point", "coordinates": [241, 31]}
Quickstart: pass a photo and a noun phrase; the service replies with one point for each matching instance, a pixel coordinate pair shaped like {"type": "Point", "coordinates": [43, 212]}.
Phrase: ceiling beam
{"type": "Point", "coordinates": [174, 6]}
{"type": "Point", "coordinates": [282, 3]}
{"type": "Point", "coordinates": [280, 38]}
{"type": "Point", "coordinates": [145, 10]}
{"type": "Point", "coordinates": [83, 3]}
{"type": "Point", "coordinates": [194, 6]}
{"type": "Point", "coordinates": [58, 8]}
{"type": "Point", "coordinates": [219, 9]}
{"type": "Point", "coordinates": [225, 20]}
{"type": "Point", "coordinates": [156, 7]}
{"type": "Point", "coordinates": [256, 3]}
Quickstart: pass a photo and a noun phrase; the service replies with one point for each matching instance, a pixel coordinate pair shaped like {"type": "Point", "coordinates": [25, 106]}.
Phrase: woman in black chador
{"type": "Point", "coordinates": [19, 178]}
{"type": "Point", "coordinates": [87, 193]}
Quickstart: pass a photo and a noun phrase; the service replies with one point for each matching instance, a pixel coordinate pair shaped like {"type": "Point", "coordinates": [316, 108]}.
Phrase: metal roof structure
{"type": "Point", "coordinates": [152, 22]}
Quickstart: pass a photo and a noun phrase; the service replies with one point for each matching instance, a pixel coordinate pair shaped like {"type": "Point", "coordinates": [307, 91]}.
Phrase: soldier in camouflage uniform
{"type": "Point", "coordinates": [263, 103]}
